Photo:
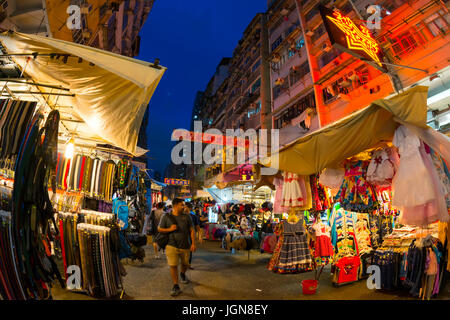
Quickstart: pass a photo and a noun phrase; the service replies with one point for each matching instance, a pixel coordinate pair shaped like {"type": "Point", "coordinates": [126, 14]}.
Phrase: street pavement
{"type": "Point", "coordinates": [221, 275]}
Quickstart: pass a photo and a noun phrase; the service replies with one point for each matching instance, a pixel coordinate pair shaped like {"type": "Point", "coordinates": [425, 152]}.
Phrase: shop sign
{"type": "Point", "coordinates": [349, 37]}
{"type": "Point", "coordinates": [176, 182]}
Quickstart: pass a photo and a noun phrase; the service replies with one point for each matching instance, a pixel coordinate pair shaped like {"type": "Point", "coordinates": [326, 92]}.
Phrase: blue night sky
{"type": "Point", "coordinates": [190, 38]}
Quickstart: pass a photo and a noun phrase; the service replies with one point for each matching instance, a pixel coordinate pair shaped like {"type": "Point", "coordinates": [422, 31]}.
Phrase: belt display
{"type": "Point", "coordinates": [92, 177]}
{"type": "Point", "coordinates": [88, 240]}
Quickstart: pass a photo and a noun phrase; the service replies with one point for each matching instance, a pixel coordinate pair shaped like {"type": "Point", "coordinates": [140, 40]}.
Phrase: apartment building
{"type": "Point", "coordinates": [293, 101]}
{"type": "Point", "coordinates": [27, 16]}
{"type": "Point", "coordinates": [109, 25]}
{"type": "Point", "coordinates": [414, 40]}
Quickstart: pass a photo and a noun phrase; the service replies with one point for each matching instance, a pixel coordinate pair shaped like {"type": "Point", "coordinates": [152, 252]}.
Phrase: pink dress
{"type": "Point", "coordinates": [278, 183]}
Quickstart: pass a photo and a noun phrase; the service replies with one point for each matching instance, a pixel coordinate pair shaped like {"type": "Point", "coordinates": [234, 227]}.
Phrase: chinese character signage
{"type": "Point", "coordinates": [176, 182]}
{"type": "Point", "coordinates": [352, 38]}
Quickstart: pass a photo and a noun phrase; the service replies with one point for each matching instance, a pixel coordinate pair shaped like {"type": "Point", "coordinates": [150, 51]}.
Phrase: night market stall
{"type": "Point", "coordinates": [377, 187]}
{"type": "Point", "coordinates": [87, 104]}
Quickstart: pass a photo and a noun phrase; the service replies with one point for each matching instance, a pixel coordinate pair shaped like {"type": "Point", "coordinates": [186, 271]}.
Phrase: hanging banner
{"type": "Point", "coordinates": [355, 39]}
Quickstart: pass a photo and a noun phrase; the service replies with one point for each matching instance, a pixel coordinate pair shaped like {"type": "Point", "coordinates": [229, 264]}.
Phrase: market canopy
{"type": "Point", "coordinates": [105, 95]}
{"type": "Point", "coordinates": [363, 130]}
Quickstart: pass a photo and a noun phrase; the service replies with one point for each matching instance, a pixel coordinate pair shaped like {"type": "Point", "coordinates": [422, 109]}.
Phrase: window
{"type": "Point", "coordinates": [436, 24]}
{"type": "Point", "coordinates": [256, 65]}
{"type": "Point", "coordinates": [319, 32]}
{"type": "Point", "coordinates": [346, 8]}
{"type": "Point", "coordinates": [254, 111]}
{"type": "Point", "coordinates": [299, 73]}
{"type": "Point", "coordinates": [328, 57]}
{"type": "Point", "coordinates": [403, 43]}
{"type": "Point", "coordinates": [276, 43]}
{"type": "Point", "coordinates": [311, 14]}
{"type": "Point", "coordinates": [256, 85]}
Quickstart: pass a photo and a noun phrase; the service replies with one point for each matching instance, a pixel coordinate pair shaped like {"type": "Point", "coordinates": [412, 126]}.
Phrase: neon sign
{"type": "Point", "coordinates": [351, 38]}
{"type": "Point", "coordinates": [176, 182]}
{"type": "Point", "coordinates": [357, 39]}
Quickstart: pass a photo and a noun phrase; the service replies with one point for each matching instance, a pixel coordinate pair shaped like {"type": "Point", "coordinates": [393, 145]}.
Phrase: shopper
{"type": "Point", "coordinates": [179, 245]}
{"type": "Point", "coordinates": [196, 224]}
{"type": "Point", "coordinates": [155, 218]}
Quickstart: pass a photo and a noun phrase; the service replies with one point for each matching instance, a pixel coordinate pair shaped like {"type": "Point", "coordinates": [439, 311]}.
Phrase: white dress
{"type": "Point", "coordinates": [292, 194]}
{"type": "Point", "coordinates": [412, 184]}
{"type": "Point", "coordinates": [381, 169]}
{"type": "Point", "coordinates": [332, 178]}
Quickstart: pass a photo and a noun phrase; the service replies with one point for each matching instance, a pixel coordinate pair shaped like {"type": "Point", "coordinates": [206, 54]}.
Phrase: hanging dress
{"type": "Point", "coordinates": [292, 195]}
{"type": "Point", "coordinates": [412, 184]}
{"type": "Point", "coordinates": [323, 249]}
{"type": "Point", "coordinates": [294, 255]}
{"type": "Point", "coordinates": [278, 183]}
{"type": "Point", "coordinates": [356, 194]}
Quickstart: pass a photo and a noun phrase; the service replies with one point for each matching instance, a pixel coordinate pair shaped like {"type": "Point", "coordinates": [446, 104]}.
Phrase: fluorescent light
{"type": "Point", "coordinates": [439, 96]}
{"type": "Point", "coordinates": [70, 148]}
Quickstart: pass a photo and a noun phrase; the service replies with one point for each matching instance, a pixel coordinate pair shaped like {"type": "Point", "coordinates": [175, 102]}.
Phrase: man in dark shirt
{"type": "Point", "coordinates": [181, 242]}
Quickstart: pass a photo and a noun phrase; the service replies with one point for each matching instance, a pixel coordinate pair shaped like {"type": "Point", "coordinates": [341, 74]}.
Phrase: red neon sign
{"type": "Point", "coordinates": [216, 139]}
{"type": "Point", "coordinates": [357, 38]}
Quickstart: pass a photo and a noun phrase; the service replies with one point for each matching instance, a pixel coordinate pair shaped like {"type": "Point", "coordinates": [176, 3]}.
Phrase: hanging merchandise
{"type": "Point", "coordinates": [99, 260]}
{"type": "Point", "coordinates": [343, 234]}
{"type": "Point", "coordinates": [424, 203]}
{"type": "Point", "coordinates": [292, 253]}
{"type": "Point", "coordinates": [292, 195]}
{"type": "Point", "coordinates": [356, 194]}
{"type": "Point", "coordinates": [323, 249]}
{"type": "Point", "coordinates": [92, 177]}
{"type": "Point", "coordinates": [320, 200]}
{"type": "Point", "coordinates": [32, 209]}
{"type": "Point", "coordinates": [278, 183]}
{"type": "Point", "coordinates": [383, 166]}
{"type": "Point", "coordinates": [89, 239]}
{"type": "Point", "coordinates": [332, 178]}
{"type": "Point", "coordinates": [443, 173]}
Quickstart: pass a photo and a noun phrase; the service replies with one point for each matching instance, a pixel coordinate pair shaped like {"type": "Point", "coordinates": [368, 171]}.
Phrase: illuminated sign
{"type": "Point", "coordinates": [176, 182]}
{"type": "Point", "coordinates": [221, 140]}
{"type": "Point", "coordinates": [351, 38]}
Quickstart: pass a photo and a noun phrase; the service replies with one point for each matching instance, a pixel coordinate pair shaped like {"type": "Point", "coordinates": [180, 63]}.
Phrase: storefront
{"type": "Point", "coordinates": [69, 124]}
{"type": "Point", "coordinates": [370, 190]}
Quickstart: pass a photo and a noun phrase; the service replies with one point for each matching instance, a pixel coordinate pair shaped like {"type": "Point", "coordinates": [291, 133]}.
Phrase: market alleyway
{"type": "Point", "coordinates": [220, 275]}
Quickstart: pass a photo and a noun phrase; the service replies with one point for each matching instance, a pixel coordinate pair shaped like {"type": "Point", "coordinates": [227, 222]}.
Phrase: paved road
{"type": "Point", "coordinates": [220, 275]}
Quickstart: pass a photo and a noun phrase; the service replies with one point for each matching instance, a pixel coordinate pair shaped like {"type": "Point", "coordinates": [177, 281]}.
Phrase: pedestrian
{"type": "Point", "coordinates": [196, 223]}
{"type": "Point", "coordinates": [181, 242]}
{"type": "Point", "coordinates": [155, 218]}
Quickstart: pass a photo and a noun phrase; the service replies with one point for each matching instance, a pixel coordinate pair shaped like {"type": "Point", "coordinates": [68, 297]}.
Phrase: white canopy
{"type": "Point", "coordinates": [107, 96]}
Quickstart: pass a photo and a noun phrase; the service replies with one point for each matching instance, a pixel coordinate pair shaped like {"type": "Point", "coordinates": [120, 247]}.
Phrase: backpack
{"type": "Point", "coordinates": [162, 239]}
{"type": "Point", "coordinates": [120, 209]}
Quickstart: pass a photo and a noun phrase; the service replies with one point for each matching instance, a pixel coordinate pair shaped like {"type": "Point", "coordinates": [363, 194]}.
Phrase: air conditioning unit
{"type": "Point", "coordinates": [309, 32]}
{"type": "Point", "coordinates": [86, 8]}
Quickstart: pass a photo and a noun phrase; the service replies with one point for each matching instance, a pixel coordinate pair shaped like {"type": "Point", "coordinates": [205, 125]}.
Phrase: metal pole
{"type": "Point", "coordinates": [34, 84]}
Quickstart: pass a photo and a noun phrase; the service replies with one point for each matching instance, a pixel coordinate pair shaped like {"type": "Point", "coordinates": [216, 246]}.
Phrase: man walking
{"type": "Point", "coordinates": [179, 246]}
{"type": "Point", "coordinates": [155, 218]}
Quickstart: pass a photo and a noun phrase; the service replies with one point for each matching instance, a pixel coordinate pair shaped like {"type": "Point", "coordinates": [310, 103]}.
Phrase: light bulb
{"type": "Point", "coordinates": [70, 148]}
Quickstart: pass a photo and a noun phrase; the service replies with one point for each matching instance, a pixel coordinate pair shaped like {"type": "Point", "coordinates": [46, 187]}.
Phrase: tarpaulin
{"type": "Point", "coordinates": [360, 131]}
{"type": "Point", "coordinates": [111, 91]}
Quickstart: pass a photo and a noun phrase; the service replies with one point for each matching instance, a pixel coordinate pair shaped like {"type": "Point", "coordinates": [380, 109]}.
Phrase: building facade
{"type": "Point", "coordinates": [313, 83]}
